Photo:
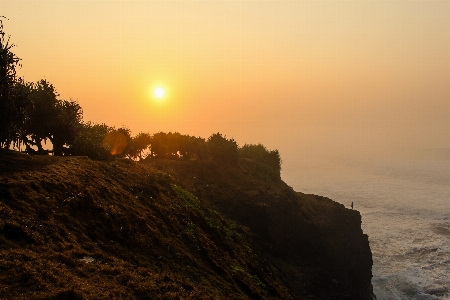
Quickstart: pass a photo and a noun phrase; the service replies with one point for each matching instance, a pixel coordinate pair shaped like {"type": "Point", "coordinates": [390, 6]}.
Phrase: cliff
{"type": "Point", "coordinates": [73, 228]}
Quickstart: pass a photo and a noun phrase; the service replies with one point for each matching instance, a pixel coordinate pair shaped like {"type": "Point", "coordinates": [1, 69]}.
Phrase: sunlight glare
{"type": "Point", "coordinates": [159, 92]}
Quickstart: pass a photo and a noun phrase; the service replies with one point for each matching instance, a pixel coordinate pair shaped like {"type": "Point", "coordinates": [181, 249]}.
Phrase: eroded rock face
{"type": "Point", "coordinates": [315, 241]}
{"type": "Point", "coordinates": [342, 249]}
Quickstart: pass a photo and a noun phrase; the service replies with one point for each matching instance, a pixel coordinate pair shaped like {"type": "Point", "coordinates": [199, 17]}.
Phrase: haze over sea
{"type": "Point", "coordinates": [404, 201]}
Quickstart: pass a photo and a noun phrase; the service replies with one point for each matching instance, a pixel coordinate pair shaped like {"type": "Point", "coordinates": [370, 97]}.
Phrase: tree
{"type": "Point", "coordinates": [274, 161]}
{"type": "Point", "coordinates": [192, 147]}
{"type": "Point", "coordinates": [260, 154]}
{"type": "Point", "coordinates": [159, 145]}
{"type": "Point", "coordinates": [138, 145]}
{"type": "Point", "coordinates": [31, 113]}
{"type": "Point", "coordinates": [256, 152]}
{"type": "Point", "coordinates": [89, 141]}
{"type": "Point", "coordinates": [50, 118]}
{"type": "Point", "coordinates": [13, 93]}
{"type": "Point", "coordinates": [176, 146]}
{"type": "Point", "coordinates": [42, 114]}
{"type": "Point", "coordinates": [222, 149]}
{"type": "Point", "coordinates": [68, 121]}
{"type": "Point", "coordinates": [118, 141]}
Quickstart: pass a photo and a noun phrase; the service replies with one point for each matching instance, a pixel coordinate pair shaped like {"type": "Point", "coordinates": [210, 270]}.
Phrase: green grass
{"type": "Point", "coordinates": [255, 278]}
{"type": "Point", "coordinates": [188, 198]}
{"type": "Point", "coordinates": [226, 229]}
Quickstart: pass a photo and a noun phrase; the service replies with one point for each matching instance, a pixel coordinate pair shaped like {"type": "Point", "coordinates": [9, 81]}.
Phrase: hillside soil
{"type": "Point", "coordinates": [74, 228]}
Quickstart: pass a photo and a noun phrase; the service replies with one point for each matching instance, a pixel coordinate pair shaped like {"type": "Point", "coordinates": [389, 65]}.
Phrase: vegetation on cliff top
{"type": "Point", "coordinates": [32, 114]}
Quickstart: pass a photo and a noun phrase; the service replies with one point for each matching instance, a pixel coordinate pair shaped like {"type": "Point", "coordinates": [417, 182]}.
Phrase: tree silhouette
{"type": "Point", "coordinates": [13, 93]}
{"type": "Point", "coordinates": [222, 149]}
{"type": "Point", "coordinates": [159, 145]}
{"type": "Point", "coordinates": [260, 154]}
{"type": "Point", "coordinates": [64, 130]}
{"type": "Point", "coordinates": [42, 116]}
{"type": "Point", "coordinates": [32, 113]}
{"type": "Point", "coordinates": [89, 141]}
{"type": "Point", "coordinates": [117, 142]}
{"type": "Point", "coordinates": [138, 145]}
{"type": "Point", "coordinates": [192, 147]}
{"type": "Point", "coordinates": [175, 146]}
{"type": "Point", "coordinates": [49, 118]}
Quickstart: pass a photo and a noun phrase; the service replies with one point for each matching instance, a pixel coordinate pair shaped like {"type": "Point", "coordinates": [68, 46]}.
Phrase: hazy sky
{"type": "Point", "coordinates": [358, 76]}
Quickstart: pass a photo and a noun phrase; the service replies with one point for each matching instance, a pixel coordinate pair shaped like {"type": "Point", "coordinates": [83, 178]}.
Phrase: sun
{"type": "Point", "coordinates": [159, 92]}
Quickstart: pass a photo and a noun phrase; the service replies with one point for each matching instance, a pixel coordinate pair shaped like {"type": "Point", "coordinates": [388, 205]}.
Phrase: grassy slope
{"type": "Point", "coordinates": [170, 230]}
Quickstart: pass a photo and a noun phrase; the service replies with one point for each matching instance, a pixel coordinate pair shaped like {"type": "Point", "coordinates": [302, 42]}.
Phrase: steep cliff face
{"type": "Point", "coordinates": [316, 242]}
{"type": "Point", "coordinates": [72, 228]}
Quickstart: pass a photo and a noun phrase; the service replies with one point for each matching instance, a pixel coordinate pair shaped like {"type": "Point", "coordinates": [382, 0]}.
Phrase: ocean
{"type": "Point", "coordinates": [405, 209]}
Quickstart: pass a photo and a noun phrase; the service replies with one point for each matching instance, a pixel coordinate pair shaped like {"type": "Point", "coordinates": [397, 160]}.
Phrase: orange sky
{"type": "Point", "coordinates": [324, 75]}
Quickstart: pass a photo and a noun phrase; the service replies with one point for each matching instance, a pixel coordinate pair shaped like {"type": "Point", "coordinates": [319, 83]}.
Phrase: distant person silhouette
{"type": "Point", "coordinates": [352, 205]}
